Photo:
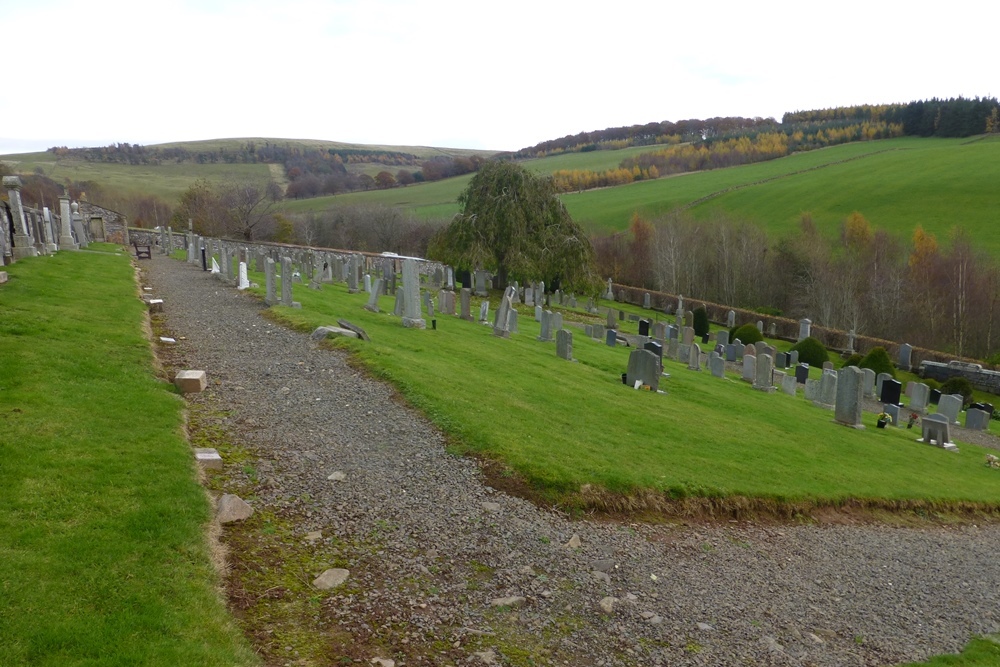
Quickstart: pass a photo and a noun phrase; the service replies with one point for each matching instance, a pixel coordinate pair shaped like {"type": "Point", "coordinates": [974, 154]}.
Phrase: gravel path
{"type": "Point", "coordinates": [445, 549]}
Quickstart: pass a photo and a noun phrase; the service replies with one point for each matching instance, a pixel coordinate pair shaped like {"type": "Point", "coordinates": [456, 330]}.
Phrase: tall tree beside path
{"type": "Point", "coordinates": [513, 223]}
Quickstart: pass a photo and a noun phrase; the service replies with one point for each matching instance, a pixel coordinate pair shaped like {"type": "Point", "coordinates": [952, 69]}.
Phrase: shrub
{"type": "Point", "coordinates": [853, 360]}
{"type": "Point", "coordinates": [932, 383]}
{"type": "Point", "coordinates": [747, 334]}
{"type": "Point", "coordinates": [811, 352]}
{"type": "Point", "coordinates": [700, 321]}
{"type": "Point", "coordinates": [958, 385]}
{"type": "Point", "coordinates": [877, 359]}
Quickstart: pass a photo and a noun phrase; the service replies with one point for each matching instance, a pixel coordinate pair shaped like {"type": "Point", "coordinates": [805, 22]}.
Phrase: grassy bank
{"type": "Point", "coordinates": [576, 435]}
{"type": "Point", "coordinates": [103, 555]}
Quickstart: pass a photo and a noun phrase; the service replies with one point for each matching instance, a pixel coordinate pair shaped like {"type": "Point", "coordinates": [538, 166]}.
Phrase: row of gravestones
{"type": "Point", "coordinates": [29, 232]}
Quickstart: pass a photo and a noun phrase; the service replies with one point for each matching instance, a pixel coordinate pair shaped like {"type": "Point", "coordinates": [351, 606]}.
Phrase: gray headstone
{"type": "Point", "coordinates": [694, 360]}
{"type": "Point", "coordinates": [465, 298]}
{"type": "Point", "coordinates": [950, 405]}
{"type": "Point", "coordinates": [868, 383]}
{"type": "Point", "coordinates": [373, 295]}
{"type": "Point", "coordinates": [905, 356]}
{"type": "Point", "coordinates": [716, 365]}
{"type": "Point", "coordinates": [793, 358]}
{"type": "Point", "coordinates": [849, 396]}
{"type": "Point", "coordinates": [412, 316]}
{"type": "Point", "coordinates": [976, 419]}
{"type": "Point", "coordinates": [500, 323]}
{"type": "Point", "coordinates": [920, 396]}
{"type": "Point", "coordinates": [730, 352]}
{"type": "Point", "coordinates": [644, 367]}
{"type": "Point", "coordinates": [828, 389]}
{"type": "Point", "coordinates": [548, 327]}
{"type": "Point", "coordinates": [286, 281]}
{"type": "Point", "coordinates": [812, 390]}
{"type": "Point", "coordinates": [805, 327]}
{"type": "Point", "coordinates": [271, 294]}
{"type": "Point", "coordinates": [688, 336]}
{"type": "Point", "coordinates": [722, 337]}
{"type": "Point", "coordinates": [611, 337]}
{"type": "Point", "coordinates": [789, 384]}
{"type": "Point", "coordinates": [763, 378]}
{"type": "Point", "coordinates": [645, 300]}
{"type": "Point", "coordinates": [731, 319]}
{"type": "Point", "coordinates": [512, 321]}
{"type": "Point", "coordinates": [936, 430]}
{"type": "Point", "coordinates": [484, 311]}
{"type": "Point", "coordinates": [749, 368]}
{"type": "Point", "coordinates": [564, 345]}
{"type": "Point", "coordinates": [673, 348]}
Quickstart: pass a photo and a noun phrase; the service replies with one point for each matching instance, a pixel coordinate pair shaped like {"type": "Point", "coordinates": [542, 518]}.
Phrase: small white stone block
{"type": "Point", "coordinates": [208, 458]}
{"type": "Point", "coordinates": [155, 305]}
{"type": "Point", "coordinates": [191, 382]}
{"type": "Point", "coordinates": [167, 340]}
{"type": "Point", "coordinates": [3, 277]}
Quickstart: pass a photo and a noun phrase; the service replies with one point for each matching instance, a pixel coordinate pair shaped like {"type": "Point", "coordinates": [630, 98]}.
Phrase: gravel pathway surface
{"type": "Point", "coordinates": [446, 570]}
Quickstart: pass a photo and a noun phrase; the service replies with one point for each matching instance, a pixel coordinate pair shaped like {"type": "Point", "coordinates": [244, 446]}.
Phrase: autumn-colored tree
{"type": "Point", "coordinates": [384, 180]}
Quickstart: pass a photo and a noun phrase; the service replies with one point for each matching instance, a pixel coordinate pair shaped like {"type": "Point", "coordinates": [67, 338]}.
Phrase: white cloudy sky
{"type": "Point", "coordinates": [463, 73]}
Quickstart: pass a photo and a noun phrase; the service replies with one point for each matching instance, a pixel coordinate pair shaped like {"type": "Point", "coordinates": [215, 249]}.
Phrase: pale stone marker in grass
{"type": "Point", "coordinates": [868, 383]}
{"type": "Point", "coordinates": [244, 280]}
{"type": "Point", "coordinates": [270, 295]}
{"type": "Point", "coordinates": [465, 299]}
{"type": "Point", "coordinates": [789, 384]}
{"type": "Point", "coordinates": [936, 430]}
{"type": "Point", "coordinates": [977, 420]}
{"type": "Point", "coordinates": [286, 281]}
{"type": "Point", "coordinates": [828, 389]}
{"type": "Point", "coordinates": [805, 328]}
{"type": "Point", "coordinates": [716, 365]}
{"type": "Point", "coordinates": [749, 367]}
{"type": "Point", "coordinates": [373, 296]}
{"type": "Point", "coordinates": [500, 321]}
{"type": "Point", "coordinates": [694, 360]}
{"type": "Point", "coordinates": [191, 382]}
{"type": "Point", "coordinates": [920, 395]}
{"type": "Point", "coordinates": [905, 356]}
{"type": "Point", "coordinates": [208, 458]}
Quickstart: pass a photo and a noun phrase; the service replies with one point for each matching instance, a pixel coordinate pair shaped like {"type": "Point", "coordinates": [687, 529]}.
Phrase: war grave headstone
{"type": "Point", "coordinates": [763, 377]}
{"type": "Point", "coordinates": [976, 419]}
{"type": "Point", "coordinates": [891, 390]}
{"type": "Point", "coordinates": [949, 406]}
{"type": "Point", "coordinates": [412, 316]}
{"type": "Point", "coordinates": [849, 395]}
{"type": "Point", "coordinates": [936, 430]}
{"type": "Point", "coordinates": [644, 369]}
{"type": "Point", "coordinates": [749, 368]}
{"type": "Point", "coordinates": [564, 344]}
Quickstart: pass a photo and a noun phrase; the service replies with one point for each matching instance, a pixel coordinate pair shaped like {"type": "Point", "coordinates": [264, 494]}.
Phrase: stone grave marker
{"type": "Point", "coordinates": [891, 390]}
{"type": "Point", "coordinates": [644, 327]}
{"type": "Point", "coordinates": [847, 410]}
{"type": "Point", "coordinates": [868, 383]}
{"type": "Point", "coordinates": [546, 331]}
{"type": "Point", "coordinates": [828, 389]}
{"type": "Point", "coordinates": [286, 281]}
{"type": "Point", "coordinates": [643, 367]}
{"type": "Point", "coordinates": [936, 430]}
{"type": "Point", "coordinates": [722, 337]}
{"type": "Point", "coordinates": [905, 356]}
{"type": "Point", "coordinates": [763, 377]}
{"type": "Point", "coordinates": [688, 337]}
{"type": "Point", "coordinates": [789, 384]}
{"type": "Point", "coordinates": [512, 321]}
{"type": "Point", "coordinates": [484, 311]}
{"type": "Point", "coordinates": [920, 395]}
{"type": "Point", "coordinates": [801, 373]}
{"type": "Point", "coordinates": [793, 358]}
{"type": "Point", "coordinates": [731, 352]}
{"type": "Point", "coordinates": [716, 365]}
{"type": "Point", "coordinates": [501, 321]}
{"type": "Point", "coordinates": [805, 327]}
{"type": "Point", "coordinates": [611, 337]}
{"type": "Point", "coordinates": [935, 396]}
{"type": "Point", "coordinates": [950, 406]}
{"type": "Point", "coordinates": [811, 390]}
{"type": "Point", "coordinates": [879, 379]}
{"type": "Point", "coordinates": [672, 348]}
{"type": "Point", "coordinates": [564, 345]}
{"type": "Point", "coordinates": [694, 360]}
{"type": "Point", "coordinates": [977, 420]}
{"type": "Point", "coordinates": [731, 319]}
{"type": "Point", "coordinates": [645, 300]}
{"type": "Point", "coordinates": [749, 367]}
{"type": "Point", "coordinates": [271, 291]}
{"type": "Point", "coordinates": [412, 316]}
{"type": "Point", "coordinates": [373, 295]}
{"type": "Point", "coordinates": [465, 299]}
{"type": "Point", "coordinates": [655, 348]}
{"type": "Point", "coordinates": [781, 360]}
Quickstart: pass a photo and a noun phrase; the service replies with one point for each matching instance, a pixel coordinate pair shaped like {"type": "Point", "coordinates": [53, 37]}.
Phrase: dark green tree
{"type": "Point", "coordinates": [701, 324]}
{"type": "Point", "coordinates": [513, 223]}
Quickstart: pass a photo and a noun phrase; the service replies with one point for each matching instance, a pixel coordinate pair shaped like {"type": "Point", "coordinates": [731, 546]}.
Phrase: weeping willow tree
{"type": "Point", "coordinates": [512, 223]}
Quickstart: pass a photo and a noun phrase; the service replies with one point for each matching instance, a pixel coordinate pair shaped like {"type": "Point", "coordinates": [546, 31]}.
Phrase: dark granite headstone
{"type": "Point", "coordinates": [891, 390]}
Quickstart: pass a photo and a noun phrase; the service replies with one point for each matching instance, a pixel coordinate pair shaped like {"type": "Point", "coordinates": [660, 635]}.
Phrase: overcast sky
{"type": "Point", "coordinates": [465, 74]}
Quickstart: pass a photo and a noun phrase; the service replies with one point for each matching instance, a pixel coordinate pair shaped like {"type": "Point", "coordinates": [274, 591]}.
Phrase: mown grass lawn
{"type": "Point", "coordinates": [103, 553]}
{"type": "Point", "coordinates": [562, 425]}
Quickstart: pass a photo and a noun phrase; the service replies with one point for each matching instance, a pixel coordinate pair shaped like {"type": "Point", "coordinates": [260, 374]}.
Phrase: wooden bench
{"type": "Point", "coordinates": [143, 251]}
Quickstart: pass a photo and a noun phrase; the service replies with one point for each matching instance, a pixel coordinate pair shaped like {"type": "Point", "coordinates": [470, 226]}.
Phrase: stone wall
{"type": "Point", "coordinates": [115, 223]}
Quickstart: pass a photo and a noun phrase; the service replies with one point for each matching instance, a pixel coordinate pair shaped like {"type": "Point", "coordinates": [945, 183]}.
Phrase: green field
{"type": "Point", "coordinates": [104, 556]}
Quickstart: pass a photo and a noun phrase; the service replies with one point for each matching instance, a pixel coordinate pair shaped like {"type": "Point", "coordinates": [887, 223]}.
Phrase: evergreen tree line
{"type": "Point", "coordinates": [953, 117]}
{"type": "Point", "coordinates": [916, 291]}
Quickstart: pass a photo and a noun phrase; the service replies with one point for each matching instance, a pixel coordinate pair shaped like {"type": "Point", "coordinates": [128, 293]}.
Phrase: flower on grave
{"type": "Point", "coordinates": [992, 461]}
{"type": "Point", "coordinates": [884, 417]}
{"type": "Point", "coordinates": [914, 418]}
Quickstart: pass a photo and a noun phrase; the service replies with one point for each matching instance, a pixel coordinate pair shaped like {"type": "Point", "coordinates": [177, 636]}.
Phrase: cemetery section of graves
{"type": "Point", "coordinates": [103, 554]}
{"type": "Point", "coordinates": [577, 436]}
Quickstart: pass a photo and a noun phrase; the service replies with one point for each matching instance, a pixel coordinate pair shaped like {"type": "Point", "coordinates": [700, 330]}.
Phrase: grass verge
{"type": "Point", "coordinates": [103, 553]}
